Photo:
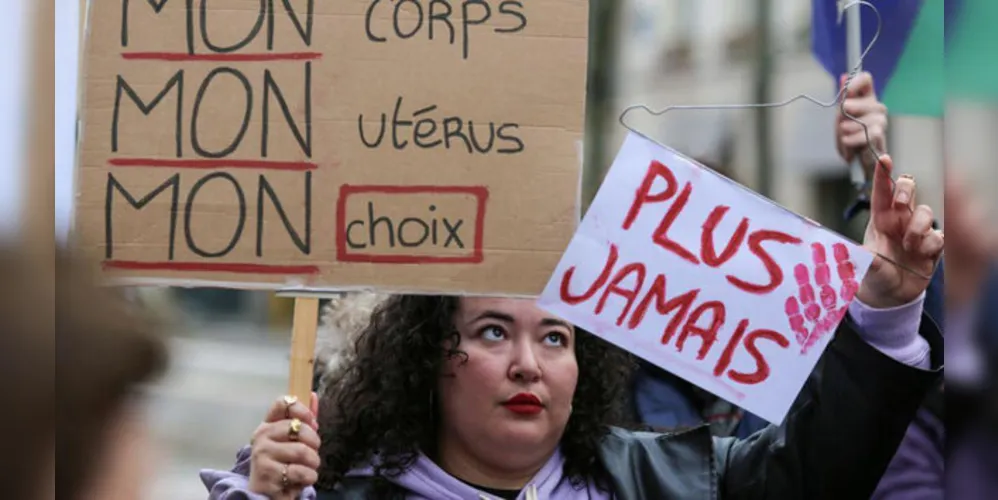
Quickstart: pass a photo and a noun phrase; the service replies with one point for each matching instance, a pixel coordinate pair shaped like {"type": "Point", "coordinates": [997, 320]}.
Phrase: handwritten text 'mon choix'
{"type": "Point", "coordinates": [693, 315]}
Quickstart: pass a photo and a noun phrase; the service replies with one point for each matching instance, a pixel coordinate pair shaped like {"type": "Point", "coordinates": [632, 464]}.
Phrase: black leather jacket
{"type": "Point", "coordinates": [836, 442]}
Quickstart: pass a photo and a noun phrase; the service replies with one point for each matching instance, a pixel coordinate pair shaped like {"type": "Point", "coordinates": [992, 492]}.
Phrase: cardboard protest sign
{"type": "Point", "coordinates": [407, 145]}
{"type": "Point", "coordinates": [706, 279]}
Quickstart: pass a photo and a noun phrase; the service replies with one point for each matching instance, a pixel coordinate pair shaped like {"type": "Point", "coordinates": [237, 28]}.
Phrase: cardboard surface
{"type": "Point", "coordinates": [706, 279]}
{"type": "Point", "coordinates": [342, 149]}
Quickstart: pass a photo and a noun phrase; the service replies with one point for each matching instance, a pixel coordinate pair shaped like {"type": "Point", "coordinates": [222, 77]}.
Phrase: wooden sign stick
{"type": "Point", "coordinates": [304, 328]}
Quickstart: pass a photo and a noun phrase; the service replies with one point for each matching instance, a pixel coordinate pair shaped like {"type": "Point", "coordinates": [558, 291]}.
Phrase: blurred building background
{"type": "Point", "coordinates": [231, 348]}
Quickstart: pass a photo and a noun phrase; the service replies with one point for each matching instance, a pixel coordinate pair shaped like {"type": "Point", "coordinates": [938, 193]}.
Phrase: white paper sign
{"type": "Point", "coordinates": [705, 278]}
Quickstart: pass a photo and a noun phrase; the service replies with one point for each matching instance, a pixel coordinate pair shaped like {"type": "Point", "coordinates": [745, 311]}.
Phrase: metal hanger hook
{"type": "Point", "coordinates": [838, 101]}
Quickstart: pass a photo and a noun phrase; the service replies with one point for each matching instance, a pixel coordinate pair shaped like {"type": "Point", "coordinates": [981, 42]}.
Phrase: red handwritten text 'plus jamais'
{"type": "Point", "coordinates": [692, 315]}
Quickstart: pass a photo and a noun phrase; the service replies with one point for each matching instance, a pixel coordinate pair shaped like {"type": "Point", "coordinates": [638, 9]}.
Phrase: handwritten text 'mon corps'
{"type": "Point", "coordinates": [450, 20]}
{"type": "Point", "coordinates": [693, 315]}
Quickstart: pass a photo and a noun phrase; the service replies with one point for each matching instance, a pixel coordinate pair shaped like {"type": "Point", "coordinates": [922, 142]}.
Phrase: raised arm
{"type": "Point", "coordinates": [853, 412]}
{"type": "Point", "coordinates": [844, 428]}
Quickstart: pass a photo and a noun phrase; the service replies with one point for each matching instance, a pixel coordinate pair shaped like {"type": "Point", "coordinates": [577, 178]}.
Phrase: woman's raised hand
{"type": "Point", "coordinates": [899, 231]}
{"type": "Point", "coordinates": [285, 450]}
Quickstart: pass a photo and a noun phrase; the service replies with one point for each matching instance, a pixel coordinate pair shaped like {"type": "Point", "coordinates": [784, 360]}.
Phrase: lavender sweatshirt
{"type": "Point", "coordinates": [893, 331]}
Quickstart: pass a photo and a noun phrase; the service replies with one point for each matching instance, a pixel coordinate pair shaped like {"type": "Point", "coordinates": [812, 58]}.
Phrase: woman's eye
{"type": "Point", "coordinates": [493, 333]}
{"type": "Point", "coordinates": [557, 339]}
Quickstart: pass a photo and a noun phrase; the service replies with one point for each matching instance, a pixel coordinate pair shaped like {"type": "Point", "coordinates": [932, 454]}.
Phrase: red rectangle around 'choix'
{"type": "Point", "coordinates": [411, 224]}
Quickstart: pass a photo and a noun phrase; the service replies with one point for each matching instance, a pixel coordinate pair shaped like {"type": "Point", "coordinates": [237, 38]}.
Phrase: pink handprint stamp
{"type": "Point", "coordinates": [822, 312]}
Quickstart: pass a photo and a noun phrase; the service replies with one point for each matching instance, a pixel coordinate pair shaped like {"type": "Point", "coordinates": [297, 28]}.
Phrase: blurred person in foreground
{"type": "Point", "coordinates": [971, 386]}
{"type": "Point", "coordinates": [27, 374]}
{"type": "Point", "coordinates": [105, 352]}
{"type": "Point", "coordinates": [478, 398]}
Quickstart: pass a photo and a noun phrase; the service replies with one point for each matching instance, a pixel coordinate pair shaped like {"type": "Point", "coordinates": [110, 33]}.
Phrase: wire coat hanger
{"type": "Point", "coordinates": [838, 101]}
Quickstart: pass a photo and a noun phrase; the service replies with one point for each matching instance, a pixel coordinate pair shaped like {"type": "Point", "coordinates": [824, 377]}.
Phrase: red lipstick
{"type": "Point", "coordinates": [524, 403]}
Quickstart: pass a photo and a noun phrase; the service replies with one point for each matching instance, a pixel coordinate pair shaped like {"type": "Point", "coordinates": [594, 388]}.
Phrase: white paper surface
{"type": "Point", "coordinates": [733, 315]}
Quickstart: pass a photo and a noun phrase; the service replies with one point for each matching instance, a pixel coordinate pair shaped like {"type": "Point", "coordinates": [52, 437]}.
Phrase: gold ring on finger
{"type": "Point", "coordinates": [294, 429]}
{"type": "Point", "coordinates": [289, 401]}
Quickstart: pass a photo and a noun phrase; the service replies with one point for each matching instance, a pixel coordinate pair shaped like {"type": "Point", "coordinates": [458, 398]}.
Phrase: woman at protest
{"type": "Point", "coordinates": [481, 398]}
{"type": "Point", "coordinates": [953, 452]}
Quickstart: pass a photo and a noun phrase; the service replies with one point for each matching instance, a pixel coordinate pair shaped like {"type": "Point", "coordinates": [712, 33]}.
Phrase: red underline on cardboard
{"type": "Point", "coordinates": [475, 258]}
{"type": "Point", "coordinates": [297, 166]}
{"type": "Point", "coordinates": [183, 56]}
{"type": "Point", "coordinates": [210, 267]}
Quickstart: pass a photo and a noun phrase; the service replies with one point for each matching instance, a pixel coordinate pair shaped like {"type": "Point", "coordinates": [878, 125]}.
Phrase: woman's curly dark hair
{"type": "Point", "coordinates": [381, 403]}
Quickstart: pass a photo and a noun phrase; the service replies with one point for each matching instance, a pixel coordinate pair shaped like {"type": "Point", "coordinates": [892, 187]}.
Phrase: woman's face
{"type": "Point", "coordinates": [514, 393]}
